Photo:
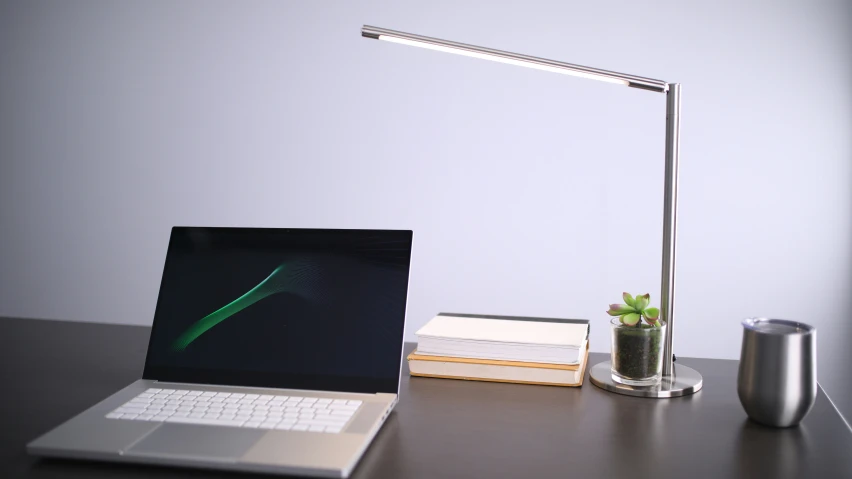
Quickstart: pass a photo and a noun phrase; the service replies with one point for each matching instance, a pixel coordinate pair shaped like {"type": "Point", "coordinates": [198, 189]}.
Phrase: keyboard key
{"type": "Point", "coordinates": [333, 429]}
{"type": "Point", "coordinates": [252, 396]}
{"type": "Point", "coordinates": [342, 407]}
{"type": "Point", "coordinates": [208, 394]}
{"type": "Point", "coordinates": [144, 417]}
{"type": "Point", "coordinates": [222, 395]}
{"type": "Point", "coordinates": [284, 426]}
{"type": "Point", "coordinates": [266, 397]}
{"type": "Point", "coordinates": [300, 427]}
{"type": "Point", "coordinates": [129, 416]}
{"type": "Point", "coordinates": [321, 422]}
{"type": "Point", "coordinates": [323, 401]}
{"type": "Point", "coordinates": [295, 398]}
{"type": "Point", "coordinates": [309, 400]}
{"type": "Point", "coordinates": [252, 424]}
{"type": "Point", "coordinates": [354, 402]}
{"type": "Point", "coordinates": [237, 395]}
{"type": "Point", "coordinates": [145, 395]}
{"type": "Point", "coordinates": [167, 391]}
{"type": "Point", "coordinates": [211, 422]}
{"type": "Point", "coordinates": [339, 401]}
{"type": "Point", "coordinates": [317, 428]}
{"type": "Point", "coordinates": [130, 410]}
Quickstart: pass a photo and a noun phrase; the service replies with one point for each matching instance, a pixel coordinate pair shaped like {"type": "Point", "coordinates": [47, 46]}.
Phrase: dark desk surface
{"type": "Point", "coordinates": [441, 428]}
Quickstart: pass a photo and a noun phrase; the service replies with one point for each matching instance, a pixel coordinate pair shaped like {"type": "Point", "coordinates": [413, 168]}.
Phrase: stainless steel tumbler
{"type": "Point", "coordinates": [777, 381]}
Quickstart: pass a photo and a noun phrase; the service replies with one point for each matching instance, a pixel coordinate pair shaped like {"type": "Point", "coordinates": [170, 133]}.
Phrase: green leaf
{"type": "Point", "coordinates": [641, 302]}
{"type": "Point", "coordinates": [619, 309]}
{"type": "Point", "coordinates": [651, 315]}
{"type": "Point", "coordinates": [630, 319]}
{"type": "Point", "coordinates": [658, 324]}
{"type": "Point", "coordinates": [628, 299]}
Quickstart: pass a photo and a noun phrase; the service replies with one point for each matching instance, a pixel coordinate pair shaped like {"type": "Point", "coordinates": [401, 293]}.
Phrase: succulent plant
{"type": "Point", "coordinates": [635, 310]}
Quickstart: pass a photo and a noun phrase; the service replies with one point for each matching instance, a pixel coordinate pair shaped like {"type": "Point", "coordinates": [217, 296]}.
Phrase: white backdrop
{"type": "Point", "coordinates": [530, 193]}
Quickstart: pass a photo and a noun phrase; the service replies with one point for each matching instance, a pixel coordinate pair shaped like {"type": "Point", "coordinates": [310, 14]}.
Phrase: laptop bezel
{"type": "Point", "coordinates": [362, 384]}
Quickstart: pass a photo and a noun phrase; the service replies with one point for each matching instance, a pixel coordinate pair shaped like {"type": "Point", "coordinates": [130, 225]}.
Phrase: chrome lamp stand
{"type": "Point", "coordinates": [678, 380]}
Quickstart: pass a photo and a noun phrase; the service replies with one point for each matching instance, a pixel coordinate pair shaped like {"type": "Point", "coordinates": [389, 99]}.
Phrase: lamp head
{"type": "Point", "coordinates": [512, 58]}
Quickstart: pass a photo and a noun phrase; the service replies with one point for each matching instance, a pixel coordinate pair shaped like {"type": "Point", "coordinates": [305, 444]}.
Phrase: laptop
{"type": "Point", "coordinates": [272, 350]}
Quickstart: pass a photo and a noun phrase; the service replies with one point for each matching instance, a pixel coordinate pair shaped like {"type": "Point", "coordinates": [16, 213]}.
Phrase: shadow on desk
{"type": "Point", "coordinates": [790, 448]}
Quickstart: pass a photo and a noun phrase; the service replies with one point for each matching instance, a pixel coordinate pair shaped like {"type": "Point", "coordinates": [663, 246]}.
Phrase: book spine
{"type": "Point", "coordinates": [486, 372]}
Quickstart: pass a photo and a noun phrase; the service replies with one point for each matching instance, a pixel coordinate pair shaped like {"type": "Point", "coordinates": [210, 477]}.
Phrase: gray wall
{"type": "Point", "coordinates": [529, 193]}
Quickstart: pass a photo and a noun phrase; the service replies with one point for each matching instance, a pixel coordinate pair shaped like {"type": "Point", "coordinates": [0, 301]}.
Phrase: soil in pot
{"type": "Point", "coordinates": [637, 351]}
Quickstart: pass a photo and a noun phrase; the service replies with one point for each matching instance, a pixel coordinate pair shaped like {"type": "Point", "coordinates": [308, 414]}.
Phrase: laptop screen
{"type": "Point", "coordinates": [283, 308]}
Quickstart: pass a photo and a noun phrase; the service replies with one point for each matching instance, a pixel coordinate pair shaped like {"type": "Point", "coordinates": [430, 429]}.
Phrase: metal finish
{"type": "Point", "coordinates": [682, 382]}
{"type": "Point", "coordinates": [442, 428]}
{"type": "Point", "coordinates": [777, 382]}
{"type": "Point", "coordinates": [672, 90]}
{"type": "Point", "coordinates": [631, 80]}
{"type": "Point", "coordinates": [89, 435]}
{"type": "Point", "coordinates": [667, 286]}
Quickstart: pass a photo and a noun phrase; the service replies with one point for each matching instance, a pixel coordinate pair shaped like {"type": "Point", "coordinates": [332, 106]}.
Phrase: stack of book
{"type": "Point", "coordinates": [503, 349]}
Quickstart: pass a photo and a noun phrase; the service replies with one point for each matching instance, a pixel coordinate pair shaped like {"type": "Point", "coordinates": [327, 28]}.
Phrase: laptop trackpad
{"type": "Point", "coordinates": [210, 443]}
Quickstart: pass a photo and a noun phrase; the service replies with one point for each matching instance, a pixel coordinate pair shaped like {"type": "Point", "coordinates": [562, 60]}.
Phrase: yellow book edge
{"type": "Point", "coordinates": [494, 362]}
{"type": "Point", "coordinates": [418, 357]}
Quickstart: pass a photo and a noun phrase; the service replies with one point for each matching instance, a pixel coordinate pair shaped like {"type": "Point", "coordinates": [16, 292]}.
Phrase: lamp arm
{"type": "Point", "coordinates": [633, 81]}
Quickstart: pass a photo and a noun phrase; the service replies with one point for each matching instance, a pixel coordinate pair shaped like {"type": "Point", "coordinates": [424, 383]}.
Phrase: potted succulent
{"type": "Point", "coordinates": [638, 338]}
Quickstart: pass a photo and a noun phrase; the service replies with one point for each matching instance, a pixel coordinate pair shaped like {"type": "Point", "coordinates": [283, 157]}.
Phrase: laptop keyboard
{"type": "Point", "coordinates": [260, 411]}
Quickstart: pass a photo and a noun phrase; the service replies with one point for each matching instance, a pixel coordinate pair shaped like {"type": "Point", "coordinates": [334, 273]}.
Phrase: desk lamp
{"type": "Point", "coordinates": [678, 380]}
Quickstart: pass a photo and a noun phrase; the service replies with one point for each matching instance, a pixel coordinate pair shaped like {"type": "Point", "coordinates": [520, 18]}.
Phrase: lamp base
{"type": "Point", "coordinates": [683, 381]}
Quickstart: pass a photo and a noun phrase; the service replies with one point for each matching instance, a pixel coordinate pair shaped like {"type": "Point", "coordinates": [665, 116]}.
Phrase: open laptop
{"type": "Point", "coordinates": [272, 350]}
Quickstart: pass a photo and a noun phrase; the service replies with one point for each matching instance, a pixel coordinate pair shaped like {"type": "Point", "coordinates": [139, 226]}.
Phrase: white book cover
{"type": "Point", "coordinates": [509, 338]}
{"type": "Point", "coordinates": [538, 331]}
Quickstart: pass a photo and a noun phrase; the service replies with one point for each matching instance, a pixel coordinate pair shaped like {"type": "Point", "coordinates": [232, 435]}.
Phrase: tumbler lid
{"type": "Point", "coordinates": [777, 326]}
